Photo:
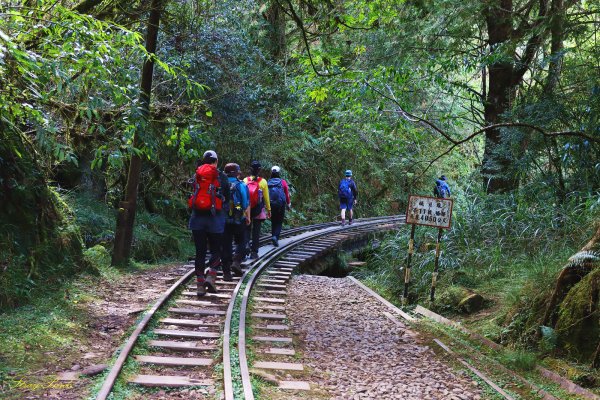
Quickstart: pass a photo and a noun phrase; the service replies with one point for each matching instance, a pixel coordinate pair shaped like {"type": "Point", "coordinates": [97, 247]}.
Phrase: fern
{"type": "Point", "coordinates": [583, 257]}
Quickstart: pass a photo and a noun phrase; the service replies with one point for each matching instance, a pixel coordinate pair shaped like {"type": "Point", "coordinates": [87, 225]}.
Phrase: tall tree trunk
{"type": "Point", "coordinates": [596, 357]}
{"type": "Point", "coordinates": [501, 91]}
{"type": "Point", "coordinates": [127, 208]}
{"type": "Point", "coordinates": [556, 46]}
{"type": "Point", "coordinates": [554, 72]}
{"type": "Point", "coordinates": [276, 19]}
{"type": "Point", "coordinates": [505, 77]}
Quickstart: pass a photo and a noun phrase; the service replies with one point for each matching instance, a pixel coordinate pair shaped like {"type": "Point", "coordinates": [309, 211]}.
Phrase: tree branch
{"type": "Point", "coordinates": [455, 143]}
{"type": "Point", "coordinates": [300, 25]}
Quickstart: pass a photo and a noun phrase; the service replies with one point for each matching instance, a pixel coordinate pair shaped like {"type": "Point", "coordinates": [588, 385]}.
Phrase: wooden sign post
{"type": "Point", "coordinates": [427, 211]}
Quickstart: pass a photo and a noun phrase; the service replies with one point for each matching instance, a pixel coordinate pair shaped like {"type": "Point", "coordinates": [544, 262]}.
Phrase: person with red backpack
{"type": "Point", "coordinates": [207, 221]}
{"type": "Point", "coordinates": [260, 205]}
{"type": "Point", "coordinates": [347, 193]}
{"type": "Point", "coordinates": [279, 195]}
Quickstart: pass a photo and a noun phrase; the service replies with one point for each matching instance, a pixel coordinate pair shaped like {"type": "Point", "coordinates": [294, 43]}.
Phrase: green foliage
{"type": "Point", "coordinates": [39, 242]}
{"type": "Point", "coordinates": [69, 107]}
{"type": "Point", "coordinates": [508, 249]}
{"type": "Point", "coordinates": [35, 334]}
{"type": "Point", "coordinates": [97, 256]}
{"type": "Point", "coordinates": [156, 236]}
{"type": "Point", "coordinates": [519, 360]}
{"type": "Point", "coordinates": [549, 339]}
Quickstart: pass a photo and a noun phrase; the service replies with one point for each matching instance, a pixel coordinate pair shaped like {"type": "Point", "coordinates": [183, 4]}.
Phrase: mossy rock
{"type": "Point", "coordinates": [473, 302]}
{"type": "Point", "coordinates": [452, 295]}
{"type": "Point", "coordinates": [459, 299]}
{"type": "Point", "coordinates": [578, 324]}
{"type": "Point", "coordinates": [97, 256]}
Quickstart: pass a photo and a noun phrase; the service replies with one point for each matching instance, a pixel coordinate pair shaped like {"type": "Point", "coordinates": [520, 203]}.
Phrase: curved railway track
{"type": "Point", "coordinates": [192, 327]}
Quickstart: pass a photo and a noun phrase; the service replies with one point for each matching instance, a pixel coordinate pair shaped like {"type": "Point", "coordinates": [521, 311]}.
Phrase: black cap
{"type": "Point", "coordinates": [255, 167]}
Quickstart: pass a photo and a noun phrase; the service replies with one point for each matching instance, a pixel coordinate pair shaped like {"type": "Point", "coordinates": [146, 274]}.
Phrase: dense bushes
{"type": "Point", "coordinates": [81, 221]}
{"type": "Point", "coordinates": [507, 248]}
{"type": "Point", "coordinates": [39, 242]}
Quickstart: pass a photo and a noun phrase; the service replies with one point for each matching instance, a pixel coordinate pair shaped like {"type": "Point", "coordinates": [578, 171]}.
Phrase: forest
{"type": "Point", "coordinates": [106, 106]}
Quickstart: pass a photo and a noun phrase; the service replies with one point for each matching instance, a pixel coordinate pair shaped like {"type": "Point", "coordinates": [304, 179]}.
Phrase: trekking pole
{"type": "Point", "coordinates": [436, 264]}
{"type": "Point", "coordinates": [411, 245]}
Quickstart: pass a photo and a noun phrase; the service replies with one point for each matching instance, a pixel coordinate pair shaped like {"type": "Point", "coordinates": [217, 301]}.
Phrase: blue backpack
{"type": "Point", "coordinates": [276, 193]}
{"type": "Point", "coordinates": [441, 190]}
{"type": "Point", "coordinates": [344, 190]}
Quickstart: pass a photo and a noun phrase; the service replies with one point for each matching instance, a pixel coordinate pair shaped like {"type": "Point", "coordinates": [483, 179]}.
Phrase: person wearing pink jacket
{"type": "Point", "coordinates": [279, 195]}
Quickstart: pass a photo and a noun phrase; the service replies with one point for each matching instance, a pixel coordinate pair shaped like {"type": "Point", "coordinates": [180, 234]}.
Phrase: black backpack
{"type": "Point", "coordinates": [235, 213]}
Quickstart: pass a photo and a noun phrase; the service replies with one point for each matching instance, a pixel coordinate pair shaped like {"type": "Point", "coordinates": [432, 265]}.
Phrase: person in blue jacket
{"type": "Point", "coordinates": [441, 190]}
{"type": "Point", "coordinates": [347, 193]}
{"type": "Point", "coordinates": [237, 217]}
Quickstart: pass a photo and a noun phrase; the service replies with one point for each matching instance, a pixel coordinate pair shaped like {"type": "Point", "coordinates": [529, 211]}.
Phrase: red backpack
{"type": "Point", "coordinates": [255, 191]}
{"type": "Point", "coordinates": [205, 196]}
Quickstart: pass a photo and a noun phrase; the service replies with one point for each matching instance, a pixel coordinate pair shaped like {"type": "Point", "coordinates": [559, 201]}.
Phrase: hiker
{"type": "Point", "coordinates": [441, 190]}
{"type": "Point", "coordinates": [237, 217]}
{"type": "Point", "coordinates": [347, 193]}
{"type": "Point", "coordinates": [207, 221]}
{"type": "Point", "coordinates": [279, 196]}
{"type": "Point", "coordinates": [260, 206]}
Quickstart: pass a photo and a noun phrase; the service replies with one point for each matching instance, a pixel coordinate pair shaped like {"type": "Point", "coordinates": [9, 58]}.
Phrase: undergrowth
{"type": "Point", "coordinates": [507, 248]}
{"type": "Point", "coordinates": [87, 227]}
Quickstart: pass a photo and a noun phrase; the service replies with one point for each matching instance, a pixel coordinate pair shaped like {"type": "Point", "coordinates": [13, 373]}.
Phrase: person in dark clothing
{"type": "Point", "coordinates": [260, 205]}
{"type": "Point", "coordinates": [207, 227]}
{"type": "Point", "coordinates": [237, 218]}
{"type": "Point", "coordinates": [441, 190]}
{"type": "Point", "coordinates": [348, 194]}
{"type": "Point", "coordinates": [279, 196]}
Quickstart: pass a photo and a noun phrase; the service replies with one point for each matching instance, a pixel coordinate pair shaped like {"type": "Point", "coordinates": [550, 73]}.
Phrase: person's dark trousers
{"type": "Point", "coordinates": [253, 231]}
{"type": "Point", "coordinates": [277, 216]}
{"type": "Point", "coordinates": [233, 232]}
{"type": "Point", "coordinates": [201, 238]}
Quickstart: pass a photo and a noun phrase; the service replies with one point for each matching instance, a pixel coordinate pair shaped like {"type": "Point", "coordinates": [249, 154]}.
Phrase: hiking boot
{"type": "Point", "coordinates": [236, 268]}
{"type": "Point", "coordinates": [211, 280]}
{"type": "Point", "coordinates": [254, 255]}
{"type": "Point", "coordinates": [350, 221]}
{"type": "Point", "coordinates": [200, 289]}
{"type": "Point", "coordinates": [343, 222]}
{"type": "Point", "coordinates": [227, 276]}
{"type": "Point", "coordinates": [274, 241]}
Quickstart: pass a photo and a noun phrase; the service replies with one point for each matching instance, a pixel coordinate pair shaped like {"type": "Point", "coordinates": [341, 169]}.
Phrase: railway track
{"type": "Point", "coordinates": [182, 339]}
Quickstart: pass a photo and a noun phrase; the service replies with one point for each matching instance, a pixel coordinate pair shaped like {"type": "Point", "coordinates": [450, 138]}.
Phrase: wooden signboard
{"type": "Point", "coordinates": [429, 211]}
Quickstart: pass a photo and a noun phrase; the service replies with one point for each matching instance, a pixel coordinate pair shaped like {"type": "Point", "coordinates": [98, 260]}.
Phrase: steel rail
{"type": "Point", "coordinates": [117, 367]}
{"type": "Point", "coordinates": [227, 373]}
{"type": "Point", "coordinates": [110, 380]}
{"type": "Point", "coordinates": [262, 265]}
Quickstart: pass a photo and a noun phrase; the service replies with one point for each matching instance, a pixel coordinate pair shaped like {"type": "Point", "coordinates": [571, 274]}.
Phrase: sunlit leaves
{"type": "Point", "coordinates": [62, 72]}
{"type": "Point", "coordinates": [318, 94]}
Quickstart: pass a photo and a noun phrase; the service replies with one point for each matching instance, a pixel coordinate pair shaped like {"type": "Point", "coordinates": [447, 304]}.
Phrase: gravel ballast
{"type": "Point", "coordinates": [355, 352]}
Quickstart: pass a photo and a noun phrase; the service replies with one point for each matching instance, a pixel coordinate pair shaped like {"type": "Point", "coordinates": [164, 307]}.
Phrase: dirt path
{"type": "Point", "coordinates": [112, 309]}
{"type": "Point", "coordinates": [355, 352]}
